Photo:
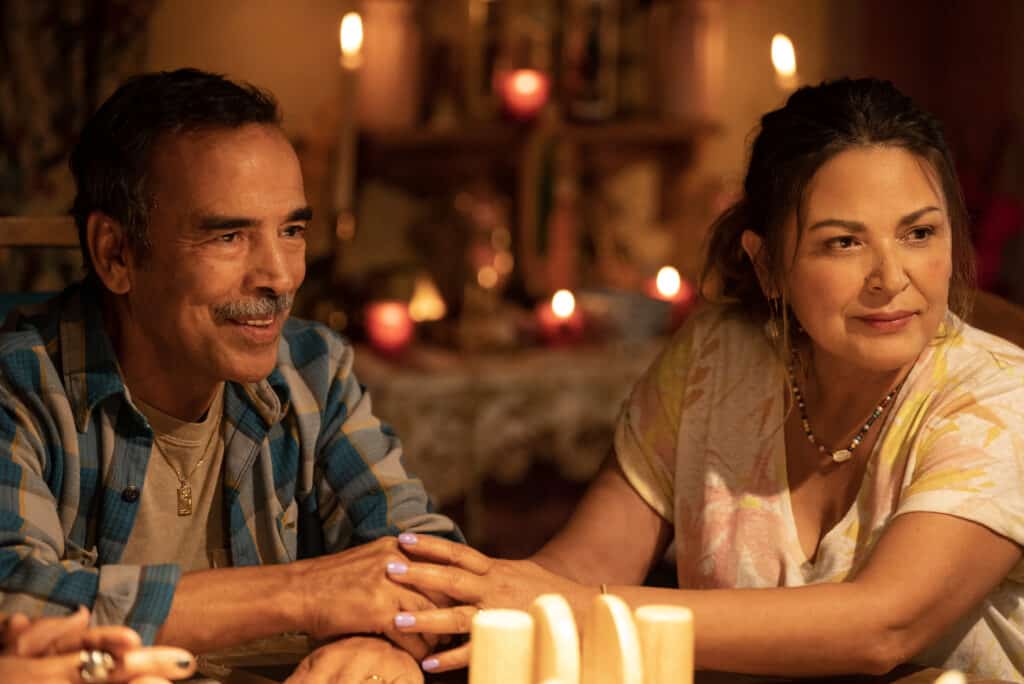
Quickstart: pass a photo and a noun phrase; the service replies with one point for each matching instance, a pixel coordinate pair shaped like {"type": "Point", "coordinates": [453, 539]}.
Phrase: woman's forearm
{"type": "Point", "coordinates": [814, 630]}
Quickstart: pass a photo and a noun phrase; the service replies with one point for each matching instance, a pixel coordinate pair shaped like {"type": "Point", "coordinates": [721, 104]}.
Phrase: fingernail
{"type": "Point", "coordinates": [407, 538]}
{"type": "Point", "coordinates": [397, 568]}
{"type": "Point", "coordinates": [405, 620]}
{"type": "Point", "coordinates": [184, 665]}
{"type": "Point", "coordinates": [431, 664]}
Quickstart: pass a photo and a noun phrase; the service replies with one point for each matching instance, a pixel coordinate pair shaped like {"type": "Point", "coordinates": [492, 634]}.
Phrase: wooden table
{"type": "Point", "coordinates": [270, 661]}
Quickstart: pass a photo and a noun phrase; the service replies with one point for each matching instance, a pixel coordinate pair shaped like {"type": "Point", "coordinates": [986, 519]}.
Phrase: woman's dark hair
{"type": "Point", "coordinates": [793, 142]}
{"type": "Point", "coordinates": [110, 162]}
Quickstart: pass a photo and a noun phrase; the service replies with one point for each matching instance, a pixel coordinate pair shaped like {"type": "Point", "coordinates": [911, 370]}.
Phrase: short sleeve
{"type": "Point", "coordinates": [647, 432]}
{"type": "Point", "coordinates": [970, 456]}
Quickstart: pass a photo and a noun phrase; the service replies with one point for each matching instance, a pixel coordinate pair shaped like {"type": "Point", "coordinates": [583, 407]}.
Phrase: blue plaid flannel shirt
{"type": "Point", "coordinates": [308, 469]}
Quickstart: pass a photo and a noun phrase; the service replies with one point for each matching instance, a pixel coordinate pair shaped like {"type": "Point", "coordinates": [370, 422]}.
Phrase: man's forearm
{"type": "Point", "coordinates": [215, 609]}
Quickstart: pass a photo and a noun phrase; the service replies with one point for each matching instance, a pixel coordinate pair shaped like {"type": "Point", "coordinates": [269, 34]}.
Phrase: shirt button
{"type": "Point", "coordinates": [130, 494]}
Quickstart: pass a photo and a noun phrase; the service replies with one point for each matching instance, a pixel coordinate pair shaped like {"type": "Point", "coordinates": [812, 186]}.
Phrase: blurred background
{"type": "Point", "coordinates": [511, 196]}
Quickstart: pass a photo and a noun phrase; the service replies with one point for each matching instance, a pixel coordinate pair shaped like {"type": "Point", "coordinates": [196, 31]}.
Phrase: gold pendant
{"type": "Point", "coordinates": [185, 499]}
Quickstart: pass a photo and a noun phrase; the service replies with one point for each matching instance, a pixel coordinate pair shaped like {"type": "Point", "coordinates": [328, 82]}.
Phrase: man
{"type": "Point", "coordinates": [174, 452]}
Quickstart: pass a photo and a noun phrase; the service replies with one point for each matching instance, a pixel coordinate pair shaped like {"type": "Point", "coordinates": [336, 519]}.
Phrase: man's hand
{"type": "Point", "coordinates": [357, 660]}
{"type": "Point", "coordinates": [351, 593]}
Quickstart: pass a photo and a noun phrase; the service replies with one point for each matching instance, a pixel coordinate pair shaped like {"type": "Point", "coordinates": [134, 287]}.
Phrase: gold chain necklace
{"type": "Point", "coordinates": [839, 455]}
{"type": "Point", "coordinates": [184, 482]}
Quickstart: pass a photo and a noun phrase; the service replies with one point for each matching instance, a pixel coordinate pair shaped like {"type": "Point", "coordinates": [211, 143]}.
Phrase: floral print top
{"type": "Point", "coordinates": [701, 440]}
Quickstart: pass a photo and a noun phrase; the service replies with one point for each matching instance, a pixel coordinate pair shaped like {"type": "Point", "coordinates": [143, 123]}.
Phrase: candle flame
{"type": "Point", "coordinates": [526, 81]}
{"type": "Point", "coordinates": [563, 304]}
{"type": "Point", "coordinates": [426, 303]}
{"type": "Point", "coordinates": [668, 282]}
{"type": "Point", "coordinates": [783, 55]}
{"type": "Point", "coordinates": [351, 34]}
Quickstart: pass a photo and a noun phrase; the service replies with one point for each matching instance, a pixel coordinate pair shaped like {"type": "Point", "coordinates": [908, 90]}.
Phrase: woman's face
{"type": "Point", "coordinates": [869, 275]}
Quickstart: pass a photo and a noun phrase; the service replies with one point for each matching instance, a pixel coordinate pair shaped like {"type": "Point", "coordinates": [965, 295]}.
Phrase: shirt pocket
{"type": "Point", "coordinates": [288, 529]}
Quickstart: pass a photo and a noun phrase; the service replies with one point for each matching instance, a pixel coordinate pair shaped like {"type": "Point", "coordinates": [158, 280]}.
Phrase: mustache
{"type": "Point", "coordinates": [265, 306]}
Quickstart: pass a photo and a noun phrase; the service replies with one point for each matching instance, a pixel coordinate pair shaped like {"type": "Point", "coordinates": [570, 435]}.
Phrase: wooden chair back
{"type": "Point", "coordinates": [998, 316]}
{"type": "Point", "coordinates": [38, 231]}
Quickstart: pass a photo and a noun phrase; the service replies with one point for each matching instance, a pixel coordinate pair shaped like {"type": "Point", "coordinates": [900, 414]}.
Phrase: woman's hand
{"type": "Point", "coordinates": [350, 592]}
{"type": "Point", "coordinates": [476, 581]}
{"type": "Point", "coordinates": [356, 660]}
{"type": "Point", "coordinates": [49, 650]}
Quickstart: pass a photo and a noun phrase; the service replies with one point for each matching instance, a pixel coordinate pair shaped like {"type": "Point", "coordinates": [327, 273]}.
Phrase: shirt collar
{"type": "Point", "coordinates": [92, 373]}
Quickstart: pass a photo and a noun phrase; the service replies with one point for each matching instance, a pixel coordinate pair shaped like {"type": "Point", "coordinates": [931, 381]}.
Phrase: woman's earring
{"type": "Point", "coordinates": [772, 328]}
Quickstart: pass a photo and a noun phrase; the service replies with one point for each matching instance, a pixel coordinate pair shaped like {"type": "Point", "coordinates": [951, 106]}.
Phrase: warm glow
{"type": "Point", "coordinates": [351, 37]}
{"type": "Point", "coordinates": [426, 303]}
{"type": "Point", "coordinates": [487, 277]}
{"type": "Point", "coordinates": [783, 55]}
{"type": "Point", "coordinates": [526, 82]}
{"type": "Point", "coordinates": [563, 304]}
{"type": "Point", "coordinates": [388, 326]}
{"type": "Point", "coordinates": [524, 92]}
{"type": "Point", "coordinates": [504, 262]}
{"type": "Point", "coordinates": [668, 282]}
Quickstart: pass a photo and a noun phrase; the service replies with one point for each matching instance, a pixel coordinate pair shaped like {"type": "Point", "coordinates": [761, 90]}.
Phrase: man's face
{"type": "Point", "coordinates": [227, 225]}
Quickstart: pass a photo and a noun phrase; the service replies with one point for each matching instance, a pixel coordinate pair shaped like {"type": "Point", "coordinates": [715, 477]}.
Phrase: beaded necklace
{"type": "Point", "coordinates": [839, 455]}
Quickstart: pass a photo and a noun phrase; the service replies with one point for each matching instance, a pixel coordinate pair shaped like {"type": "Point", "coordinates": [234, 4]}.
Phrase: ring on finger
{"type": "Point", "coordinates": [374, 678]}
{"type": "Point", "coordinates": [95, 666]}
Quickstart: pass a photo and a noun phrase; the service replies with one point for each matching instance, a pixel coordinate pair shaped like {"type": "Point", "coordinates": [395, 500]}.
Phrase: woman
{"type": "Point", "coordinates": [832, 450]}
{"type": "Point", "coordinates": [66, 650]}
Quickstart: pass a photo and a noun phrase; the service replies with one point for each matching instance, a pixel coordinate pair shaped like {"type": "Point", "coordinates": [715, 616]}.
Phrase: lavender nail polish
{"type": "Point", "coordinates": [397, 568]}
{"type": "Point", "coordinates": [405, 620]}
{"type": "Point", "coordinates": [431, 664]}
{"type": "Point", "coordinates": [407, 538]}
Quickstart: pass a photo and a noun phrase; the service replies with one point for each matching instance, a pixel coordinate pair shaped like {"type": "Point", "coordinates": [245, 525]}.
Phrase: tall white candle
{"type": "Point", "coordinates": [611, 647]}
{"type": "Point", "coordinates": [502, 648]}
{"type": "Point", "coordinates": [556, 644]}
{"type": "Point", "coordinates": [351, 38]}
{"type": "Point", "coordinates": [666, 642]}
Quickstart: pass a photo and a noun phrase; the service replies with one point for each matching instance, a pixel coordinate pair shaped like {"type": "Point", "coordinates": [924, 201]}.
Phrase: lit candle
{"type": "Point", "coordinates": [426, 303]}
{"type": "Point", "coordinates": [524, 92]}
{"type": "Point", "coordinates": [784, 61]}
{"type": "Point", "coordinates": [389, 326]}
{"type": "Point", "coordinates": [350, 35]}
{"type": "Point", "coordinates": [669, 286]}
{"type": "Point", "coordinates": [559, 320]}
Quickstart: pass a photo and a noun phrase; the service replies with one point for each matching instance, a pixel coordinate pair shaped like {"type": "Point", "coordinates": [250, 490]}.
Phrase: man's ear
{"type": "Point", "coordinates": [753, 245]}
{"type": "Point", "coordinates": [111, 253]}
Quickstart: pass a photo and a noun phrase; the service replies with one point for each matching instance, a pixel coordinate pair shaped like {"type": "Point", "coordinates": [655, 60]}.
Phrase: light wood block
{"type": "Point", "coordinates": [611, 646]}
{"type": "Point", "coordinates": [556, 646]}
{"type": "Point", "coordinates": [502, 648]}
{"type": "Point", "coordinates": [666, 642]}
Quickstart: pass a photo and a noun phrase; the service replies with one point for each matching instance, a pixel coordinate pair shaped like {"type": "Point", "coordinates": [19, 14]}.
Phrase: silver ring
{"type": "Point", "coordinates": [95, 666]}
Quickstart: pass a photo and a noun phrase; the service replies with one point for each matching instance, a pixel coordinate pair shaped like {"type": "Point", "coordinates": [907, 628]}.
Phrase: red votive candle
{"type": "Point", "coordinates": [389, 326]}
{"type": "Point", "coordinates": [559, 320]}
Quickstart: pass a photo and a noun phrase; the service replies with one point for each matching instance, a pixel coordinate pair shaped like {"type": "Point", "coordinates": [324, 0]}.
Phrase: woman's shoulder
{"type": "Point", "coordinates": [719, 324]}
{"type": "Point", "coordinates": [968, 362]}
{"type": "Point", "coordinates": [718, 339]}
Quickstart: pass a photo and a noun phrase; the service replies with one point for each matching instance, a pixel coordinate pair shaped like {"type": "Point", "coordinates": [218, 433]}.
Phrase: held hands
{"type": "Point", "coordinates": [356, 660]}
{"type": "Point", "coordinates": [351, 593]}
{"type": "Point", "coordinates": [48, 650]}
{"type": "Point", "coordinates": [477, 581]}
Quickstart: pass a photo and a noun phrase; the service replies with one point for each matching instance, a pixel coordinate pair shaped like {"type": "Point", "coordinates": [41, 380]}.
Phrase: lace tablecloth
{"type": "Point", "coordinates": [464, 417]}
